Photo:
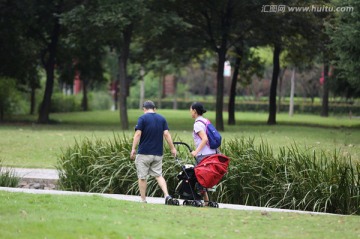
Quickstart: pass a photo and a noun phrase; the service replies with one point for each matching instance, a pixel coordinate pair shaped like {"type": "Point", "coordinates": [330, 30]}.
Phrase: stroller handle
{"type": "Point", "coordinates": [182, 143]}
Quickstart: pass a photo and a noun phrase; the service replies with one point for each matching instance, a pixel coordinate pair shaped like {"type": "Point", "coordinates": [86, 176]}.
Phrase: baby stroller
{"type": "Point", "coordinates": [205, 175]}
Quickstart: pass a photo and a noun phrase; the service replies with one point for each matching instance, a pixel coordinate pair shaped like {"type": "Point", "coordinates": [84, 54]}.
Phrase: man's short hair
{"type": "Point", "coordinates": [149, 105]}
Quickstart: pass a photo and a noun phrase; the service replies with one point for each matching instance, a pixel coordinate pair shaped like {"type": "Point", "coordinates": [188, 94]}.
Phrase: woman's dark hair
{"type": "Point", "coordinates": [198, 107]}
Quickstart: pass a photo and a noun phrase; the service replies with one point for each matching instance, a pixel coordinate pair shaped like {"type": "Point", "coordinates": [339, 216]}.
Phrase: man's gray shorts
{"type": "Point", "coordinates": [148, 165]}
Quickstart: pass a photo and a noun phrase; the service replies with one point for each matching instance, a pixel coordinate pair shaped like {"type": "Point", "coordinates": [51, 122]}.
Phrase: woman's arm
{"type": "Point", "coordinates": [204, 140]}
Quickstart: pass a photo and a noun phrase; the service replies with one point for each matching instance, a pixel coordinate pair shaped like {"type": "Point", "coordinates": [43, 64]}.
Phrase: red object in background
{"type": "Point", "coordinates": [330, 73]}
{"type": "Point", "coordinates": [169, 85]}
{"type": "Point", "coordinates": [322, 78]}
{"type": "Point", "coordinates": [211, 169]}
{"type": "Point", "coordinates": [77, 83]}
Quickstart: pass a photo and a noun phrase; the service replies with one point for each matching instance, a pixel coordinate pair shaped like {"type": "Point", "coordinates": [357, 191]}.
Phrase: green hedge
{"type": "Point", "coordinates": [301, 180]}
{"type": "Point", "coordinates": [102, 101]}
{"type": "Point", "coordinates": [65, 103]}
{"type": "Point", "coordinates": [72, 103]}
{"type": "Point", "coordinates": [261, 106]}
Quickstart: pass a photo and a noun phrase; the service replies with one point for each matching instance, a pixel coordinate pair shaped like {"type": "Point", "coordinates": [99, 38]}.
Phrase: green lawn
{"type": "Point", "coordinates": [32, 145]}
{"type": "Point", "coordinates": [58, 216]}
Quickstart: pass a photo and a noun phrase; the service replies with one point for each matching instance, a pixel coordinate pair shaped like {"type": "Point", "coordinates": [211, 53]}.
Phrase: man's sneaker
{"type": "Point", "coordinates": [169, 200]}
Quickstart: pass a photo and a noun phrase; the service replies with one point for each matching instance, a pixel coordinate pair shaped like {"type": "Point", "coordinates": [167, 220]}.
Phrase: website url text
{"type": "Point", "coordinates": [313, 8]}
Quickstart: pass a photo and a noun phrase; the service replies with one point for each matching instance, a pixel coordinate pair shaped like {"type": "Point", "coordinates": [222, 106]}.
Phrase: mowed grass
{"type": "Point", "coordinates": [32, 145]}
{"type": "Point", "coordinates": [58, 216]}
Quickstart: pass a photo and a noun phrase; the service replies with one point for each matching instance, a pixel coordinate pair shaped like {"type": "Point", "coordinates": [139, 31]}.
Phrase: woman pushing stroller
{"type": "Point", "coordinates": [202, 148]}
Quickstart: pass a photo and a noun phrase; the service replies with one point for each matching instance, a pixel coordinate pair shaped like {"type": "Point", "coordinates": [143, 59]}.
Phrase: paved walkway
{"type": "Point", "coordinates": [36, 173]}
{"type": "Point", "coordinates": [52, 174]}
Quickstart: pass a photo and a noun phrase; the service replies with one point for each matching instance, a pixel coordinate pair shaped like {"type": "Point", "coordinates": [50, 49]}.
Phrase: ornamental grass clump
{"type": "Point", "coordinates": [95, 165]}
{"type": "Point", "coordinates": [291, 179]}
{"type": "Point", "coordinates": [8, 177]}
{"type": "Point", "coordinates": [104, 166]}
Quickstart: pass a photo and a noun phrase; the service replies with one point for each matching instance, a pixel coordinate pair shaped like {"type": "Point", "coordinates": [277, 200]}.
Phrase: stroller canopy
{"type": "Point", "coordinates": [211, 169]}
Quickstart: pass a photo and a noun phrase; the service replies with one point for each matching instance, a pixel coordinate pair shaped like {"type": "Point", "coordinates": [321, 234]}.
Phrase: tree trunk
{"type": "Point", "coordinates": [175, 102]}
{"type": "Point", "coordinates": [84, 101]}
{"type": "Point", "coordinates": [292, 92]}
{"type": "Point", "coordinates": [124, 84]}
{"type": "Point", "coordinates": [160, 90]}
{"type": "Point", "coordinates": [46, 103]}
{"type": "Point", "coordinates": [325, 98]}
{"type": "Point", "coordinates": [122, 94]}
{"type": "Point", "coordinates": [142, 88]}
{"type": "Point", "coordinates": [32, 99]}
{"type": "Point", "coordinates": [49, 65]}
{"type": "Point", "coordinates": [1, 112]}
{"type": "Point", "coordinates": [116, 95]}
{"type": "Point", "coordinates": [280, 89]}
{"type": "Point", "coordinates": [231, 105]}
{"type": "Point", "coordinates": [273, 87]}
{"type": "Point", "coordinates": [220, 90]}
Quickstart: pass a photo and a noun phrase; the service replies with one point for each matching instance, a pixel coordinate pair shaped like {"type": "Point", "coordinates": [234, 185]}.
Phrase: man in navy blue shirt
{"type": "Point", "coordinates": [150, 131]}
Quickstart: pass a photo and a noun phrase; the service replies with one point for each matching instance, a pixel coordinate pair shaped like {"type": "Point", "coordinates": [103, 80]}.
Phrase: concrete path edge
{"type": "Point", "coordinates": [51, 174]}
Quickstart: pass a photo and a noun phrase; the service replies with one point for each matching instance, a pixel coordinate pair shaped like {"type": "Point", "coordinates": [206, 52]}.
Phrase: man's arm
{"type": "Point", "coordinates": [135, 143]}
{"type": "Point", "coordinates": [168, 139]}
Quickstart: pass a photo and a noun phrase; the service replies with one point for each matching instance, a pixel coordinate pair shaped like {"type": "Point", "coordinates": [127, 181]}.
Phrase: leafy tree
{"type": "Point", "coordinates": [246, 65]}
{"type": "Point", "coordinates": [287, 30]}
{"type": "Point", "coordinates": [40, 20]}
{"type": "Point", "coordinates": [214, 24]}
{"type": "Point", "coordinates": [344, 34]}
{"type": "Point", "coordinates": [7, 89]}
{"type": "Point", "coordinates": [46, 27]}
{"type": "Point", "coordinates": [18, 54]}
{"type": "Point", "coordinates": [119, 25]}
{"type": "Point", "coordinates": [114, 23]}
{"type": "Point", "coordinates": [83, 53]}
{"type": "Point", "coordinates": [162, 43]}
{"type": "Point", "coordinates": [243, 39]}
{"type": "Point", "coordinates": [340, 85]}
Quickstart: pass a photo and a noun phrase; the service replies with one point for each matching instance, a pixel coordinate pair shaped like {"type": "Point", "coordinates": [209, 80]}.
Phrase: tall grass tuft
{"type": "Point", "coordinates": [292, 179]}
{"type": "Point", "coordinates": [95, 165]}
{"type": "Point", "coordinates": [8, 177]}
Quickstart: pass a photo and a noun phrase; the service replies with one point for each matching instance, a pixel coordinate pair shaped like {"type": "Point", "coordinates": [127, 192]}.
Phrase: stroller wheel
{"type": "Point", "coordinates": [213, 204]}
{"type": "Point", "coordinates": [186, 202]}
{"type": "Point", "coordinates": [197, 203]}
{"type": "Point", "coordinates": [176, 202]}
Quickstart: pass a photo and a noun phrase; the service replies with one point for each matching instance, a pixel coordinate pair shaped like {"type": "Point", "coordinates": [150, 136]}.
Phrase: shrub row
{"type": "Point", "coordinates": [261, 106]}
{"type": "Point", "coordinates": [293, 179]}
{"type": "Point", "coordinates": [72, 103]}
{"type": "Point", "coordinates": [102, 101]}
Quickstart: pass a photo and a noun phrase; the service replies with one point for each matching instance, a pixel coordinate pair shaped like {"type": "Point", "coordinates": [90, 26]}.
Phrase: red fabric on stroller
{"type": "Point", "coordinates": [211, 169]}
